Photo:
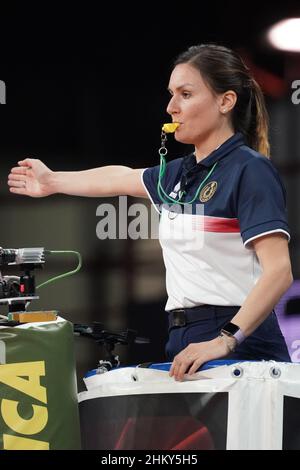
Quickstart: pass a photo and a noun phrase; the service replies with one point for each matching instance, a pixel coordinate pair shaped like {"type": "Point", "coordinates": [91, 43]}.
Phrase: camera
{"type": "Point", "coordinates": [16, 291]}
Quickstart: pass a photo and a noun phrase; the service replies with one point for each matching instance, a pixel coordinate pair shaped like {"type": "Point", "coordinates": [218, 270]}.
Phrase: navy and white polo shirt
{"type": "Point", "coordinates": [207, 244]}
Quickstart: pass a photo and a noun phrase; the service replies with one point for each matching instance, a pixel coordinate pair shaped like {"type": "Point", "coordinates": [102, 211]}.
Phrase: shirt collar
{"type": "Point", "coordinates": [190, 162]}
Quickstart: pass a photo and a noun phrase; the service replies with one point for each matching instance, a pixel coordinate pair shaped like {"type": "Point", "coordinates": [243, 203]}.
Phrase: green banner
{"type": "Point", "coordinates": [38, 391]}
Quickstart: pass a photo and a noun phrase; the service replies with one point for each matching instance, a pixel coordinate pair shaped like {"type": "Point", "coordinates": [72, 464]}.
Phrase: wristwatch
{"type": "Point", "coordinates": [232, 330]}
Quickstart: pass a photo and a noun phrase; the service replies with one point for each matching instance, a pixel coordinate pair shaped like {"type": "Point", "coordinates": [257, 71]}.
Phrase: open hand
{"type": "Point", "coordinates": [31, 178]}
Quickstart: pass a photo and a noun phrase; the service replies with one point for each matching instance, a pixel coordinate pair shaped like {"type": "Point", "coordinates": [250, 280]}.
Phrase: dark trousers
{"type": "Point", "coordinates": [204, 323]}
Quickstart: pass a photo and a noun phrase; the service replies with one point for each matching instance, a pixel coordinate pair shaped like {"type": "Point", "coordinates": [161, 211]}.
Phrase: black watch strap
{"type": "Point", "coordinates": [230, 329]}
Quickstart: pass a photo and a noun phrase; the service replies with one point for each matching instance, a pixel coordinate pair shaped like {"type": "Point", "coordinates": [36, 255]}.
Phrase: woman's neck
{"type": "Point", "coordinates": [211, 143]}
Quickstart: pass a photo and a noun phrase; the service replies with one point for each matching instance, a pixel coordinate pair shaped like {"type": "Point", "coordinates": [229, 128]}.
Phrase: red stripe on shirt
{"type": "Point", "coordinates": [215, 224]}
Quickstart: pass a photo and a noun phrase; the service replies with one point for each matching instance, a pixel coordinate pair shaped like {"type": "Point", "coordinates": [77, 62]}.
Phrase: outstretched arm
{"type": "Point", "coordinates": [33, 178]}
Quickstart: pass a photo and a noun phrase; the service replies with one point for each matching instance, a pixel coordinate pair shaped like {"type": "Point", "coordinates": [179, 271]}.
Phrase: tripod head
{"type": "Point", "coordinates": [109, 339]}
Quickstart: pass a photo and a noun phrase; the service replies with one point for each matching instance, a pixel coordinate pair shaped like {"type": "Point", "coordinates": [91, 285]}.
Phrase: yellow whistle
{"type": "Point", "coordinates": [170, 127]}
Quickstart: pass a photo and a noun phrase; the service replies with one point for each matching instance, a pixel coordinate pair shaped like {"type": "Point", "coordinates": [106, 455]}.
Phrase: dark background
{"type": "Point", "coordinates": [86, 86]}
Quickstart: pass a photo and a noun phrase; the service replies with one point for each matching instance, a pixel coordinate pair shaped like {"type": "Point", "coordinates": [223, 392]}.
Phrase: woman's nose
{"type": "Point", "coordinates": [172, 107]}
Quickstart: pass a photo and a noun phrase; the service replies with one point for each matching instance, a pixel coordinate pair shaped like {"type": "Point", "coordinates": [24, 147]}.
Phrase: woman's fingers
{"type": "Point", "coordinates": [184, 366]}
{"type": "Point", "coordinates": [24, 166]}
{"type": "Point", "coordinates": [26, 162]}
{"type": "Point", "coordinates": [171, 371]}
{"type": "Point", "coordinates": [180, 366]}
{"type": "Point", "coordinates": [18, 190]}
{"type": "Point", "coordinates": [17, 170]}
{"type": "Point", "coordinates": [17, 183]}
{"type": "Point", "coordinates": [195, 367]}
{"type": "Point", "coordinates": [16, 180]}
{"type": "Point", "coordinates": [16, 177]}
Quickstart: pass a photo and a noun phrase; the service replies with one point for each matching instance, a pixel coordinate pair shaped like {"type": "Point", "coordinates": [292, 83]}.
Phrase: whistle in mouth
{"type": "Point", "coordinates": [170, 127]}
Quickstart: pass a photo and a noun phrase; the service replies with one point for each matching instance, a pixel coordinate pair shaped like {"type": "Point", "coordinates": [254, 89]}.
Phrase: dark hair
{"type": "Point", "coordinates": [223, 70]}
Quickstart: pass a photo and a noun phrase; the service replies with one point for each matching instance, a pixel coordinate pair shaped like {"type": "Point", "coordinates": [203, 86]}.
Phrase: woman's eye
{"type": "Point", "coordinates": [186, 94]}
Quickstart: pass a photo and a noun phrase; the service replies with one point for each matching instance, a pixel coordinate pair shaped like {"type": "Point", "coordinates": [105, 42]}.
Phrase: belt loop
{"type": "Point", "coordinates": [177, 318]}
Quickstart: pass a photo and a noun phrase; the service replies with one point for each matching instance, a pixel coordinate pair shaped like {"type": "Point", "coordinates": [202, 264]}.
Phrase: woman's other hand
{"type": "Point", "coordinates": [194, 355]}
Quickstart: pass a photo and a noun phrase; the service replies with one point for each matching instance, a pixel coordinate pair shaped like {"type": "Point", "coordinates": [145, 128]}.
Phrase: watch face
{"type": "Point", "coordinates": [231, 328]}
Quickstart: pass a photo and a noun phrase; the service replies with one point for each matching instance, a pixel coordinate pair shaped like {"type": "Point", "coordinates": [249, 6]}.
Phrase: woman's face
{"type": "Point", "coordinates": [193, 105]}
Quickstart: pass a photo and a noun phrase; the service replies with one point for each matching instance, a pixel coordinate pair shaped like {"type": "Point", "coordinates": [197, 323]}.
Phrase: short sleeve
{"type": "Point", "coordinates": [261, 201]}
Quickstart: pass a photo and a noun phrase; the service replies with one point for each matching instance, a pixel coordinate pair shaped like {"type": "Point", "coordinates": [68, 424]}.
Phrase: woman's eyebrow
{"type": "Point", "coordinates": [181, 86]}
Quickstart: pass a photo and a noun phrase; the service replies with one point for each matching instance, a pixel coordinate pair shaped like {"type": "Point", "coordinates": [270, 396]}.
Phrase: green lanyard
{"type": "Point", "coordinates": [163, 196]}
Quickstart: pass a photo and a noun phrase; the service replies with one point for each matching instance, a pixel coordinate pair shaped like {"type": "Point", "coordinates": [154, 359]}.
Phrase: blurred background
{"type": "Point", "coordinates": [87, 87]}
